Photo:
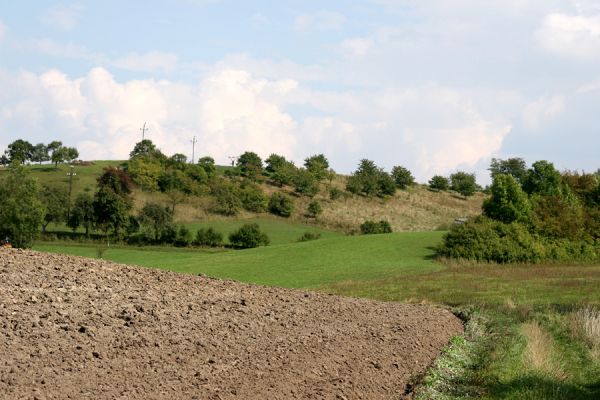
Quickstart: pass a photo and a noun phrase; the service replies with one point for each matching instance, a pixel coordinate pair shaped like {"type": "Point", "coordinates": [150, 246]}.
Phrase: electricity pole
{"type": "Point", "coordinates": [144, 129]}
{"type": "Point", "coordinates": [233, 159]}
{"type": "Point", "coordinates": [71, 174]}
{"type": "Point", "coordinates": [193, 147]}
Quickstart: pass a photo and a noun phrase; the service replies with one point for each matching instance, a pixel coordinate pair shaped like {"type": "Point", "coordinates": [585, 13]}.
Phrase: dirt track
{"type": "Point", "coordinates": [74, 328]}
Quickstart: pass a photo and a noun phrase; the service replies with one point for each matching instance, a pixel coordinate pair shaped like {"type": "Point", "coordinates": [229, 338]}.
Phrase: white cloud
{"type": "Point", "coordinates": [356, 47]}
{"type": "Point", "coordinates": [64, 50]}
{"type": "Point", "coordinates": [571, 36]}
{"type": "Point", "coordinates": [542, 110]}
{"type": "Point", "coordinates": [148, 62]}
{"type": "Point", "coordinates": [63, 17]}
{"type": "Point", "coordinates": [323, 21]}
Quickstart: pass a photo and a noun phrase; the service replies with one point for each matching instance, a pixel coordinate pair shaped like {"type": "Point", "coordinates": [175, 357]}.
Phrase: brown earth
{"type": "Point", "coordinates": [74, 328]}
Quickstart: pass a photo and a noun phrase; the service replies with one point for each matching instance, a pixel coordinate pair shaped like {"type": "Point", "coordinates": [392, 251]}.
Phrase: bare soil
{"type": "Point", "coordinates": [74, 328]}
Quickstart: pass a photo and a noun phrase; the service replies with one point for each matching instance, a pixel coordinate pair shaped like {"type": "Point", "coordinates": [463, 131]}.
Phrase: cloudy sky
{"type": "Point", "coordinates": [434, 85]}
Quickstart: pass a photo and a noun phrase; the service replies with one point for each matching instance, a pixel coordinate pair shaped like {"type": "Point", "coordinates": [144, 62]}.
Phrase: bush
{"type": "Point", "coordinates": [308, 236]}
{"type": "Point", "coordinates": [335, 193]}
{"type": "Point", "coordinates": [227, 198]}
{"type": "Point", "coordinates": [373, 227]}
{"type": "Point", "coordinates": [184, 237]}
{"type": "Point", "coordinates": [208, 237]}
{"type": "Point", "coordinates": [439, 182]}
{"type": "Point", "coordinates": [252, 198]}
{"type": "Point", "coordinates": [486, 240]}
{"type": "Point", "coordinates": [314, 209]}
{"type": "Point", "coordinates": [281, 204]}
{"type": "Point", "coordinates": [403, 177]}
{"type": "Point", "coordinates": [248, 236]}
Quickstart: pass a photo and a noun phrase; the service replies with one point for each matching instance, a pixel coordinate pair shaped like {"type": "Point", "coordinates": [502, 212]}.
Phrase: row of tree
{"type": "Point", "coordinates": [22, 151]}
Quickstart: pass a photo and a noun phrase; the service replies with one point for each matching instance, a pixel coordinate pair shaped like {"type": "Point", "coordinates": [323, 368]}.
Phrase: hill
{"type": "Point", "coordinates": [414, 209]}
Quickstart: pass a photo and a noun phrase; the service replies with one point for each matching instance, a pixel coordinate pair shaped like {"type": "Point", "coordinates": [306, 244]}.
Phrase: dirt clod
{"type": "Point", "coordinates": [74, 328]}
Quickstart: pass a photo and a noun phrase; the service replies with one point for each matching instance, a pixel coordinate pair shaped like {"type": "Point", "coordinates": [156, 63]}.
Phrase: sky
{"type": "Point", "coordinates": [433, 85]}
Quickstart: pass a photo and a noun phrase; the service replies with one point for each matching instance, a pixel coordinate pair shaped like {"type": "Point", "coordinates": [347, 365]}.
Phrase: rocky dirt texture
{"type": "Point", "coordinates": [76, 328]}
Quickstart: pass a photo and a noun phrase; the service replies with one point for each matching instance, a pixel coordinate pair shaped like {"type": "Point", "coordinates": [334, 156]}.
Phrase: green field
{"type": "Point", "coordinates": [521, 341]}
{"type": "Point", "coordinates": [304, 265]}
{"type": "Point", "coordinates": [278, 230]}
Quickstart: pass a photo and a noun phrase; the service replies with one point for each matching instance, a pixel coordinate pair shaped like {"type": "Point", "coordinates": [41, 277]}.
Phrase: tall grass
{"type": "Point", "coordinates": [538, 354]}
{"type": "Point", "coordinates": [586, 325]}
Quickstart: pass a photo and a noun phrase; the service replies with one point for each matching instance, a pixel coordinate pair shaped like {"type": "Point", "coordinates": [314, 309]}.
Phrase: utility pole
{"type": "Point", "coordinates": [71, 174]}
{"type": "Point", "coordinates": [233, 159]}
{"type": "Point", "coordinates": [193, 147]}
{"type": "Point", "coordinates": [144, 129]}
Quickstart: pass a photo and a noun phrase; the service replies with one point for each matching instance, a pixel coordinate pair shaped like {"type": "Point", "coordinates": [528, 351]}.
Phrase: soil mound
{"type": "Point", "coordinates": [76, 328]}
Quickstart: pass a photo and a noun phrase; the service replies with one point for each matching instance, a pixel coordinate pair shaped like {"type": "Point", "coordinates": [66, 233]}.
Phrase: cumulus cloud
{"type": "Point", "coordinates": [571, 35]}
{"type": "Point", "coordinates": [63, 17]}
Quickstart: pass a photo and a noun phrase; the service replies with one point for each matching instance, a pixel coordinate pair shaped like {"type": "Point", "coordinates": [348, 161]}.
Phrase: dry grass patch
{"type": "Point", "coordinates": [538, 354]}
{"type": "Point", "coordinates": [585, 325]}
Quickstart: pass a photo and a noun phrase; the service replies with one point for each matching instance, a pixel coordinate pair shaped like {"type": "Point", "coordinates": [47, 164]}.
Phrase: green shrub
{"type": "Point", "coordinates": [281, 204]}
{"type": "Point", "coordinates": [184, 237]}
{"type": "Point", "coordinates": [439, 183]}
{"type": "Point", "coordinates": [486, 240]}
{"type": "Point", "coordinates": [248, 236]}
{"type": "Point", "coordinates": [375, 227]}
{"type": "Point", "coordinates": [252, 198]}
{"type": "Point", "coordinates": [208, 237]}
{"type": "Point", "coordinates": [314, 209]}
{"type": "Point", "coordinates": [308, 236]}
{"type": "Point", "coordinates": [335, 193]}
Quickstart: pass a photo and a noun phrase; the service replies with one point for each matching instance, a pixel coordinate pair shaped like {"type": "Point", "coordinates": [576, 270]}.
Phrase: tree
{"type": "Point", "coordinates": [40, 153]}
{"type": "Point", "coordinates": [70, 154]}
{"type": "Point", "coordinates": [144, 172]}
{"type": "Point", "coordinates": [148, 150]}
{"type": "Point", "coordinates": [248, 236]}
{"type": "Point", "coordinates": [438, 182]}
{"type": "Point", "coordinates": [178, 161]}
{"type": "Point", "coordinates": [508, 202]}
{"type": "Point", "coordinates": [463, 183]}
{"type": "Point", "coordinates": [281, 204]}
{"type": "Point", "coordinates": [111, 211]}
{"type": "Point", "coordinates": [20, 150]}
{"type": "Point", "coordinates": [250, 165]}
{"type": "Point", "coordinates": [56, 200]}
{"type": "Point", "coordinates": [175, 197]}
{"type": "Point", "coordinates": [252, 198]}
{"type": "Point", "coordinates": [82, 213]}
{"type": "Point", "coordinates": [370, 180]}
{"type": "Point", "coordinates": [402, 177]}
{"type": "Point", "coordinates": [274, 162]}
{"type": "Point", "coordinates": [512, 166]}
{"type": "Point", "coordinates": [208, 165]}
{"type": "Point", "coordinates": [156, 217]}
{"type": "Point", "coordinates": [4, 161]}
{"type": "Point", "coordinates": [305, 182]}
{"type": "Point", "coordinates": [543, 179]}
{"type": "Point", "coordinates": [58, 156]}
{"type": "Point", "coordinates": [117, 180]}
{"type": "Point", "coordinates": [317, 165]}
{"type": "Point", "coordinates": [284, 174]}
{"type": "Point", "coordinates": [21, 211]}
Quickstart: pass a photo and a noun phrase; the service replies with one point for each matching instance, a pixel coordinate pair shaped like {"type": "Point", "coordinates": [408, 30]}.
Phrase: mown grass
{"type": "Point", "coordinates": [302, 265]}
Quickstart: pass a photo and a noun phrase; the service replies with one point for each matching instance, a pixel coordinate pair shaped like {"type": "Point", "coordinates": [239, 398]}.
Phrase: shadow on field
{"type": "Point", "coordinates": [535, 387]}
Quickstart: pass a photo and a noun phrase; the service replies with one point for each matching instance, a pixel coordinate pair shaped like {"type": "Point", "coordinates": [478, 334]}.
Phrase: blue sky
{"type": "Point", "coordinates": [433, 85]}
